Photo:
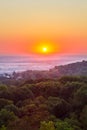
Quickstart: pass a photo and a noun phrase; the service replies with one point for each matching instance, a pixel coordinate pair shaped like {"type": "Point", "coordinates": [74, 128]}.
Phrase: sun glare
{"type": "Point", "coordinates": [44, 49]}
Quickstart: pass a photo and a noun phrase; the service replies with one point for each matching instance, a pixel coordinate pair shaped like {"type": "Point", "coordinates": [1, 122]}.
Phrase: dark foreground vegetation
{"type": "Point", "coordinates": [45, 104]}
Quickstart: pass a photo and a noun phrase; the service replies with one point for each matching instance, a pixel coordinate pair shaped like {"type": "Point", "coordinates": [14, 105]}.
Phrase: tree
{"type": "Point", "coordinates": [47, 125]}
{"type": "Point", "coordinates": [63, 125]}
{"type": "Point", "coordinates": [3, 128]}
{"type": "Point", "coordinates": [22, 94]}
{"type": "Point", "coordinates": [12, 108]}
{"type": "Point", "coordinates": [4, 102]}
{"type": "Point", "coordinates": [6, 116]}
{"type": "Point", "coordinates": [65, 79]}
{"type": "Point", "coordinates": [68, 89]}
{"type": "Point", "coordinates": [83, 117]}
{"type": "Point", "coordinates": [59, 107]}
{"type": "Point", "coordinates": [73, 122]}
{"type": "Point", "coordinates": [80, 97]}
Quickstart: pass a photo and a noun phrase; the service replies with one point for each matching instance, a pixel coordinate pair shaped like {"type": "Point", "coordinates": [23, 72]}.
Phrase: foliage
{"type": "Point", "coordinates": [6, 116]}
{"type": "Point", "coordinates": [83, 117]}
{"type": "Point", "coordinates": [58, 107]}
{"type": "Point", "coordinates": [53, 104]}
{"type": "Point", "coordinates": [63, 125]}
{"type": "Point", "coordinates": [47, 125]}
{"type": "Point", "coordinates": [3, 128]}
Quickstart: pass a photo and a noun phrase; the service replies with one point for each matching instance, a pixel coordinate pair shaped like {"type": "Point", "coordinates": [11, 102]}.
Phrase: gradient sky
{"type": "Point", "coordinates": [26, 23]}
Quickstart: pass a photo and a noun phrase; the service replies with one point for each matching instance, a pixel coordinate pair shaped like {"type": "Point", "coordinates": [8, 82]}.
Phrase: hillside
{"type": "Point", "coordinates": [74, 69]}
{"type": "Point", "coordinates": [45, 100]}
{"type": "Point", "coordinates": [78, 68]}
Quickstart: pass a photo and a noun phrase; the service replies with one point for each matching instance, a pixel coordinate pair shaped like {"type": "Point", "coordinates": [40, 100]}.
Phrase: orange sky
{"type": "Point", "coordinates": [25, 25]}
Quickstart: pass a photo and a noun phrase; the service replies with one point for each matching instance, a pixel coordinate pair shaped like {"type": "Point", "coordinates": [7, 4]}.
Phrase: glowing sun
{"type": "Point", "coordinates": [44, 49]}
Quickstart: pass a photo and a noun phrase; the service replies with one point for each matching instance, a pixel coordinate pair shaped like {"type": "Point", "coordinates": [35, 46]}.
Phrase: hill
{"type": "Point", "coordinates": [78, 68]}
{"type": "Point", "coordinates": [45, 100]}
{"type": "Point", "coordinates": [73, 69]}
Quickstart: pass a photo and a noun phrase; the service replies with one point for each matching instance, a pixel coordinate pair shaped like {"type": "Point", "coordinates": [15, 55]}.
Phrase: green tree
{"type": "Point", "coordinates": [65, 79]}
{"type": "Point", "coordinates": [73, 122]}
{"type": "Point", "coordinates": [58, 107]}
{"type": "Point", "coordinates": [3, 128]}
{"type": "Point", "coordinates": [6, 116]}
{"type": "Point", "coordinates": [5, 102]}
{"type": "Point", "coordinates": [22, 94]}
{"type": "Point", "coordinates": [47, 125]}
{"type": "Point", "coordinates": [80, 97]}
{"type": "Point", "coordinates": [63, 125]}
{"type": "Point", "coordinates": [12, 108]}
{"type": "Point", "coordinates": [83, 117]}
{"type": "Point", "coordinates": [68, 89]}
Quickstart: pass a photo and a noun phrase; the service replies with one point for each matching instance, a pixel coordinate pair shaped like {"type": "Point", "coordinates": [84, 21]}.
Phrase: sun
{"type": "Point", "coordinates": [44, 49]}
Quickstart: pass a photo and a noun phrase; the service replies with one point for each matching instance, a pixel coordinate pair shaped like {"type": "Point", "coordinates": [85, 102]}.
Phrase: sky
{"type": "Point", "coordinates": [57, 24]}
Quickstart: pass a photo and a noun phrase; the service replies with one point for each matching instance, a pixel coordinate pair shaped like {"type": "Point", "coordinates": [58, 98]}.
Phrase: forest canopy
{"type": "Point", "coordinates": [58, 104]}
